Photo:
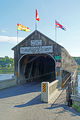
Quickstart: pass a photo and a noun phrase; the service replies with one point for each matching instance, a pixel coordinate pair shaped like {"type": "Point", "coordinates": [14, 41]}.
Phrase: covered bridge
{"type": "Point", "coordinates": [38, 58]}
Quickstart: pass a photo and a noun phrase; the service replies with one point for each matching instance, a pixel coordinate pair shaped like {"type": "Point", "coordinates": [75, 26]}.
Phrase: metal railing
{"type": "Point", "coordinates": [65, 80]}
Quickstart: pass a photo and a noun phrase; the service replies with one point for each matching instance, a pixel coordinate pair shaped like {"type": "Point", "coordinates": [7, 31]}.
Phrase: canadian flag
{"type": "Point", "coordinates": [37, 17]}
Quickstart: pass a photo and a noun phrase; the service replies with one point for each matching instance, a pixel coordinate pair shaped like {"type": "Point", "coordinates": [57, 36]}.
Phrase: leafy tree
{"type": "Point", "coordinates": [6, 65]}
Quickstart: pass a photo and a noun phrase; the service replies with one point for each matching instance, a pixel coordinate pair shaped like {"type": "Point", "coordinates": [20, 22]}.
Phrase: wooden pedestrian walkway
{"type": "Point", "coordinates": [61, 99]}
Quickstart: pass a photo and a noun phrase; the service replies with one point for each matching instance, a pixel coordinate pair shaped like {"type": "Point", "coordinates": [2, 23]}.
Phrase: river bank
{"type": "Point", "coordinates": [5, 76]}
{"type": "Point", "coordinates": [7, 80]}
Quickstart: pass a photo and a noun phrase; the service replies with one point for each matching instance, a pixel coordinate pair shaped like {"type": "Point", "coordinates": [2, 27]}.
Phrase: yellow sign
{"type": "Point", "coordinates": [44, 87]}
{"type": "Point", "coordinates": [57, 74]}
{"type": "Point", "coordinates": [17, 75]}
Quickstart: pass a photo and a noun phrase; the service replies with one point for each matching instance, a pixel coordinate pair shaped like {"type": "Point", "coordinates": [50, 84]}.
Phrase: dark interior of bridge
{"type": "Point", "coordinates": [39, 68]}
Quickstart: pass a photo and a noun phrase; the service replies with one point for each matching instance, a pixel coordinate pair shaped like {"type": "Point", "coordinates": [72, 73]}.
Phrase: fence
{"type": "Point", "coordinates": [76, 102]}
{"type": "Point", "coordinates": [76, 98]}
{"type": "Point", "coordinates": [70, 89]}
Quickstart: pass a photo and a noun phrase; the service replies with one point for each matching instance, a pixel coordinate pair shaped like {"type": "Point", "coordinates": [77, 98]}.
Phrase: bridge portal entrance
{"type": "Point", "coordinates": [39, 67]}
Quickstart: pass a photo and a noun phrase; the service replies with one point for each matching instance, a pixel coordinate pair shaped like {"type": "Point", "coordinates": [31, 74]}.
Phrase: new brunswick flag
{"type": "Point", "coordinates": [23, 28]}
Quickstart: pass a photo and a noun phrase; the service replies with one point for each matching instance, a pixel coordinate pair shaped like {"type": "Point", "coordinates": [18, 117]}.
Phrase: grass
{"type": "Point", "coordinates": [76, 107]}
{"type": "Point", "coordinates": [78, 68]}
{"type": "Point", "coordinates": [7, 70]}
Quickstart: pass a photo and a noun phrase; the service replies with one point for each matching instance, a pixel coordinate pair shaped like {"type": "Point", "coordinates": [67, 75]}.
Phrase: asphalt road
{"type": "Point", "coordinates": [23, 103]}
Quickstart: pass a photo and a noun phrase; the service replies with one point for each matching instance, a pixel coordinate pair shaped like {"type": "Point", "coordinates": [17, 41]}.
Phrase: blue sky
{"type": "Point", "coordinates": [66, 12]}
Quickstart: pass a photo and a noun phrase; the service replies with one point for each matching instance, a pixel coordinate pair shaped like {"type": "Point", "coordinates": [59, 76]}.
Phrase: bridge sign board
{"type": "Point", "coordinates": [36, 50]}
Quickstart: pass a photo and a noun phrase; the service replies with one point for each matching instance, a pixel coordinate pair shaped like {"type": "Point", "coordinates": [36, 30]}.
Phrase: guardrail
{"type": "Point", "coordinates": [71, 96]}
{"type": "Point", "coordinates": [7, 83]}
{"type": "Point", "coordinates": [47, 90]}
{"type": "Point", "coordinates": [52, 86]}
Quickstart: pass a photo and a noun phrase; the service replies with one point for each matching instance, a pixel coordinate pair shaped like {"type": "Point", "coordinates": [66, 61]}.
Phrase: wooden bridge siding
{"type": "Point", "coordinates": [46, 41]}
{"type": "Point", "coordinates": [68, 64]}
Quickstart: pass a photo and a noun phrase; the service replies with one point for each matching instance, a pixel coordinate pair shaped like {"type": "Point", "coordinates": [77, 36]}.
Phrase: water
{"type": "Point", "coordinates": [79, 83]}
{"type": "Point", "coordinates": [5, 76]}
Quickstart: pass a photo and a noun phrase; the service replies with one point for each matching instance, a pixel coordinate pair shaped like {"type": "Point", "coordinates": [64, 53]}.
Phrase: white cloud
{"type": "Point", "coordinates": [10, 39]}
{"type": "Point", "coordinates": [3, 31]}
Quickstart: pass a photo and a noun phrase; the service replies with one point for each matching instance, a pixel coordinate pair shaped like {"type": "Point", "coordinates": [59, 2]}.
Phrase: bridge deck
{"type": "Point", "coordinates": [23, 103]}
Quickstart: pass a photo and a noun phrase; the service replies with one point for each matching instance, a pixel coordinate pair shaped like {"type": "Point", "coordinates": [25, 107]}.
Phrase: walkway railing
{"type": "Point", "coordinates": [66, 80]}
{"type": "Point", "coordinates": [70, 90]}
{"type": "Point", "coordinates": [76, 98]}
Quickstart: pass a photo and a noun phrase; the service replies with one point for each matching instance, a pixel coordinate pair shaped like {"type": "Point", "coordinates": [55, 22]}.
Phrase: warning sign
{"type": "Point", "coordinates": [58, 64]}
{"type": "Point", "coordinates": [44, 87]}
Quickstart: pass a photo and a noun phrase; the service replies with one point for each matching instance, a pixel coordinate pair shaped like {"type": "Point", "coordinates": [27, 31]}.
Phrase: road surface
{"type": "Point", "coordinates": [23, 103]}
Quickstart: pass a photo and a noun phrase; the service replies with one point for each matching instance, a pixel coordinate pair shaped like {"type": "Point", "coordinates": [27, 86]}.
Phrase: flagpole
{"type": "Point", "coordinates": [35, 22]}
{"type": "Point", "coordinates": [17, 35]}
{"type": "Point", "coordinates": [55, 32]}
{"type": "Point", "coordinates": [17, 56]}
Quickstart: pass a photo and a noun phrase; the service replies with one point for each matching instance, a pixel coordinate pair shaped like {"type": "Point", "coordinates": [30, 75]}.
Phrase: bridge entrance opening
{"type": "Point", "coordinates": [37, 68]}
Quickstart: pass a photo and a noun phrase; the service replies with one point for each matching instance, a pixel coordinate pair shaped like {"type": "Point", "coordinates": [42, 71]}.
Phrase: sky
{"type": "Point", "coordinates": [66, 12]}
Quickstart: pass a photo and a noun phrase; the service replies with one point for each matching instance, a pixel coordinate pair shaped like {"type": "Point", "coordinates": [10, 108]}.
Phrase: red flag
{"type": "Point", "coordinates": [37, 17]}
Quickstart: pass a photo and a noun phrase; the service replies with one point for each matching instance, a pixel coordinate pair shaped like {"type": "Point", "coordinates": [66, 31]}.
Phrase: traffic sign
{"type": "Point", "coordinates": [58, 57]}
